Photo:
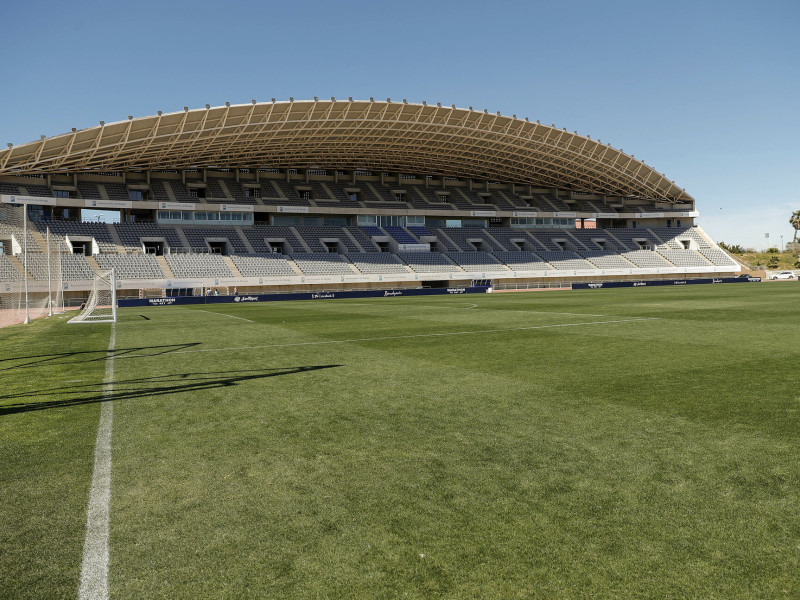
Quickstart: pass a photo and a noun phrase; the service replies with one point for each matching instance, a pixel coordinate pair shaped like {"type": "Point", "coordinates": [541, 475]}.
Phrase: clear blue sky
{"type": "Point", "coordinates": [707, 92]}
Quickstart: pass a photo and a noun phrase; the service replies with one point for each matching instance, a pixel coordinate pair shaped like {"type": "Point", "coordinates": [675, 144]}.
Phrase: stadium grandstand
{"type": "Point", "coordinates": [344, 194]}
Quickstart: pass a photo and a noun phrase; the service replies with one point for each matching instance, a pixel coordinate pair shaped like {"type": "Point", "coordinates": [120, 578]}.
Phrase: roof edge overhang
{"type": "Point", "coordinates": [349, 134]}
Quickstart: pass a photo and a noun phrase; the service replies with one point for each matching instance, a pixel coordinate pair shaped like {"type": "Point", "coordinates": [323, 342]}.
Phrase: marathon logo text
{"type": "Point", "coordinates": [161, 301]}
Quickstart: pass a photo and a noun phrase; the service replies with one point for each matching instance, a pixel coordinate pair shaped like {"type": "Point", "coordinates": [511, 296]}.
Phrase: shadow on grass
{"type": "Point", "coordinates": [83, 356]}
{"type": "Point", "coordinates": [131, 389]}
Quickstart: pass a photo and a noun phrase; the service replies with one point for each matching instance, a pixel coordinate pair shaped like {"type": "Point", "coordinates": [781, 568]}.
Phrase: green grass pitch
{"type": "Point", "coordinates": [635, 443]}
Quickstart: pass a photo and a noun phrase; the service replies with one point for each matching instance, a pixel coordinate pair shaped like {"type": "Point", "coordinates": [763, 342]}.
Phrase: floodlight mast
{"type": "Point", "coordinates": [25, 257]}
{"type": "Point", "coordinates": [49, 277]}
{"type": "Point", "coordinates": [114, 293]}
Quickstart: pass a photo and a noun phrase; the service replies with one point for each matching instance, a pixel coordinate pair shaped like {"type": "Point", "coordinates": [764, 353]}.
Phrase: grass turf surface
{"type": "Point", "coordinates": [606, 443]}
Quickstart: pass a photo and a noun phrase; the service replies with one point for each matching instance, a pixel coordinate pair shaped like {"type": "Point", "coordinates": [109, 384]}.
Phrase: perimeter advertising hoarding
{"type": "Point", "coordinates": [251, 298]}
{"type": "Point", "coordinates": [661, 282]}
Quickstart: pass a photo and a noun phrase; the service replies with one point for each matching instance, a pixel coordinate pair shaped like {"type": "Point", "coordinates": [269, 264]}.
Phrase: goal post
{"type": "Point", "coordinates": [101, 307]}
{"type": "Point", "coordinates": [55, 277]}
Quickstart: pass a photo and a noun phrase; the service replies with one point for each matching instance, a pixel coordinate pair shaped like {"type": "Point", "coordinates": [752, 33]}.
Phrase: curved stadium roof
{"type": "Point", "coordinates": [346, 134]}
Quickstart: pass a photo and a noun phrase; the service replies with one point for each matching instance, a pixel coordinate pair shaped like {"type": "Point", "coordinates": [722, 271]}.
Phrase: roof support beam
{"type": "Point", "coordinates": [426, 139]}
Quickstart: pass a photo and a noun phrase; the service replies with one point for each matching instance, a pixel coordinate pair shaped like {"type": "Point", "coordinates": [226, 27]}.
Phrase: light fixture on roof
{"type": "Point", "coordinates": [498, 113]}
{"type": "Point", "coordinates": [10, 145]}
{"type": "Point", "coordinates": [486, 111]}
{"type": "Point", "coordinates": [42, 137]}
{"type": "Point", "coordinates": [405, 101]}
{"type": "Point", "coordinates": [349, 98]}
{"type": "Point", "coordinates": [228, 104]}
{"type": "Point", "coordinates": [452, 106]}
{"type": "Point", "coordinates": [253, 101]}
{"type": "Point", "coordinates": [424, 103]}
{"type": "Point", "coordinates": [130, 117]}
{"type": "Point", "coordinates": [185, 109]}
{"type": "Point", "coordinates": [333, 99]}
{"type": "Point", "coordinates": [439, 104]}
{"type": "Point", "coordinates": [208, 106]}
{"type": "Point", "coordinates": [526, 120]}
{"type": "Point", "coordinates": [273, 99]}
{"type": "Point", "coordinates": [371, 99]}
{"type": "Point", "coordinates": [291, 99]}
{"type": "Point", "coordinates": [316, 99]}
{"type": "Point", "coordinates": [470, 108]}
{"type": "Point", "coordinates": [514, 116]}
{"type": "Point", "coordinates": [74, 129]}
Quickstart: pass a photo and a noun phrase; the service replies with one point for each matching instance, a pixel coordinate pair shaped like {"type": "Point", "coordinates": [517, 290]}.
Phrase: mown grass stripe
{"type": "Point", "coordinates": [409, 336]}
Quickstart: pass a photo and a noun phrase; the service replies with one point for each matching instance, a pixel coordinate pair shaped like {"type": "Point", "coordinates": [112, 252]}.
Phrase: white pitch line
{"type": "Point", "coordinates": [470, 305]}
{"type": "Point", "coordinates": [212, 312]}
{"type": "Point", "coordinates": [94, 570]}
{"type": "Point", "coordinates": [359, 304]}
{"type": "Point", "coordinates": [401, 337]}
{"type": "Point", "coordinates": [552, 312]}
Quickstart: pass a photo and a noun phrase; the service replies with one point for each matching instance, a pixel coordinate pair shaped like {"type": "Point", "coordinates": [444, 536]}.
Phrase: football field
{"type": "Point", "coordinates": [630, 443]}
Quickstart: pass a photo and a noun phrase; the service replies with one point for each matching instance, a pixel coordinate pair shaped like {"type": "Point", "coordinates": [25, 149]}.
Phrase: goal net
{"type": "Point", "coordinates": [55, 248]}
{"type": "Point", "coordinates": [101, 307]}
{"type": "Point", "coordinates": [31, 280]}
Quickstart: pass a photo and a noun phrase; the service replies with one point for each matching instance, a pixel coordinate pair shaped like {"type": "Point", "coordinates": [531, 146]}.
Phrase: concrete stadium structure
{"type": "Point", "coordinates": [302, 195]}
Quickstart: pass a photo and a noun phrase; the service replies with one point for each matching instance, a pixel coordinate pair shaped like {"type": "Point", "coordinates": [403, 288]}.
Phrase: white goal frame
{"type": "Point", "coordinates": [101, 307]}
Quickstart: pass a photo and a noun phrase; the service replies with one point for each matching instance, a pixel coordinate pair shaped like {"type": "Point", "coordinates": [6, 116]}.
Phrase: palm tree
{"type": "Point", "coordinates": [795, 222]}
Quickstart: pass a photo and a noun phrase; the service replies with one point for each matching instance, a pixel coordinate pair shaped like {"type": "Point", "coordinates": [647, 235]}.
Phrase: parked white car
{"type": "Point", "coordinates": [782, 275]}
